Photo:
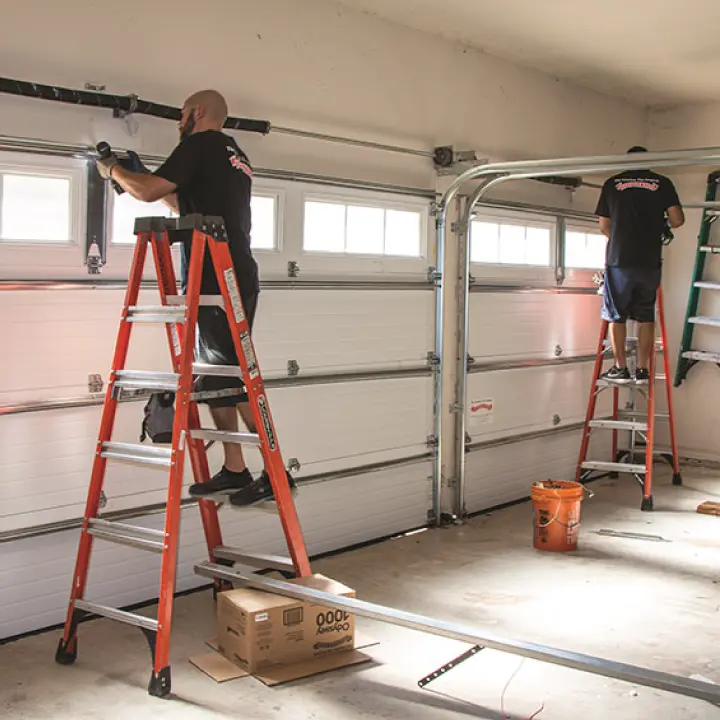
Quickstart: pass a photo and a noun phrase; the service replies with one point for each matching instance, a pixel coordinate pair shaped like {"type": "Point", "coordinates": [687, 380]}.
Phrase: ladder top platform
{"type": "Point", "coordinates": [208, 224]}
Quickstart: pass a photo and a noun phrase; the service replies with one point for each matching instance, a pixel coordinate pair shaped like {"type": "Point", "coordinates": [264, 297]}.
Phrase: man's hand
{"type": "Point", "coordinates": [106, 165]}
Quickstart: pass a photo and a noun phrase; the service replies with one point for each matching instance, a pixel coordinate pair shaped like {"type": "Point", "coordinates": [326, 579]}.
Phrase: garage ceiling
{"type": "Point", "coordinates": [648, 51]}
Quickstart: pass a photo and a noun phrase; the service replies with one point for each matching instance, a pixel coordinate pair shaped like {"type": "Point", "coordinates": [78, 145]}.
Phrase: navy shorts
{"type": "Point", "coordinates": [629, 293]}
{"type": "Point", "coordinates": [214, 346]}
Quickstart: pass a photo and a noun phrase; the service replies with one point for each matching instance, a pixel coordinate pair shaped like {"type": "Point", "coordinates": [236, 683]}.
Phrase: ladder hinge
{"type": "Point", "coordinates": [433, 275]}
{"type": "Point", "coordinates": [95, 383]}
{"type": "Point", "coordinates": [293, 369]}
{"type": "Point", "coordinates": [293, 268]}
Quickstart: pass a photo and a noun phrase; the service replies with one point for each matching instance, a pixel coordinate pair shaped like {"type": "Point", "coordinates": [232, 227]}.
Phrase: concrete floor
{"type": "Point", "coordinates": [647, 603]}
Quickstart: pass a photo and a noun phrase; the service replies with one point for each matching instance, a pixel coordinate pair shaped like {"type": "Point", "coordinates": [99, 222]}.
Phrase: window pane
{"type": "Point", "coordinates": [125, 209]}
{"type": "Point", "coordinates": [402, 233]}
{"type": "Point", "coordinates": [596, 245]}
{"type": "Point", "coordinates": [512, 244]}
{"type": "Point", "coordinates": [262, 235]}
{"type": "Point", "coordinates": [365, 230]}
{"type": "Point", "coordinates": [574, 249]}
{"type": "Point", "coordinates": [35, 208]}
{"type": "Point", "coordinates": [537, 246]}
{"type": "Point", "coordinates": [324, 227]}
{"type": "Point", "coordinates": [484, 242]}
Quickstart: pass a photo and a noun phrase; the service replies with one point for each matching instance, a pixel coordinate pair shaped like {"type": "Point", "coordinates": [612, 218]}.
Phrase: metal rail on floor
{"type": "Point", "coordinates": [565, 658]}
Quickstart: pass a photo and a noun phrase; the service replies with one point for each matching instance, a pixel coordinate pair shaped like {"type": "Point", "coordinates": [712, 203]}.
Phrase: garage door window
{"type": "Point", "coordinates": [333, 227]}
{"type": "Point", "coordinates": [584, 249]}
{"type": "Point", "coordinates": [499, 241]}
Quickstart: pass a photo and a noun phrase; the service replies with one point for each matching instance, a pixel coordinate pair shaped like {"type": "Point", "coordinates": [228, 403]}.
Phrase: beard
{"type": "Point", "coordinates": [186, 129]}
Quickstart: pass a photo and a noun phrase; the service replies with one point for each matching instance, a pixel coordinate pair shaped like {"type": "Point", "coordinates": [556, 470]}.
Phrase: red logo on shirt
{"type": "Point", "coordinates": [238, 164]}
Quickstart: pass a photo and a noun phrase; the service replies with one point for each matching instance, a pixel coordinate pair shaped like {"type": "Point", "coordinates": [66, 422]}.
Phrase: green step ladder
{"type": "Point", "coordinates": [689, 356]}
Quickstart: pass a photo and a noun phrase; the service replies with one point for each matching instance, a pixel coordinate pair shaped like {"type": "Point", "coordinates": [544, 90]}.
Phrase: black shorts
{"type": "Point", "coordinates": [214, 346]}
{"type": "Point", "coordinates": [630, 293]}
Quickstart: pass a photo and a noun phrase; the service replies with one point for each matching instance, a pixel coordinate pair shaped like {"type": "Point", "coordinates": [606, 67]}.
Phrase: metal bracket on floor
{"type": "Point", "coordinates": [449, 666]}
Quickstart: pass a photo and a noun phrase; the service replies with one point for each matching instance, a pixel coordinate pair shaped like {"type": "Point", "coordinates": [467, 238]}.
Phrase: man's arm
{"type": "Point", "coordinates": [605, 225]}
{"type": "Point", "coordinates": [142, 186]}
{"type": "Point", "coordinates": [172, 202]}
{"type": "Point", "coordinates": [676, 216]}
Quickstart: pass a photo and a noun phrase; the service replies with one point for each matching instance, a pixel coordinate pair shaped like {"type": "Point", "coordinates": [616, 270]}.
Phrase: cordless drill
{"type": "Point", "coordinates": [131, 162]}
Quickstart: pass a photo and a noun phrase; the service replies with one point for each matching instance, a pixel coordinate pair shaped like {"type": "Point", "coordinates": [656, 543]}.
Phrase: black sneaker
{"type": "Point", "coordinates": [259, 492]}
{"type": "Point", "coordinates": [642, 375]}
{"type": "Point", "coordinates": [617, 375]}
{"type": "Point", "coordinates": [225, 482]}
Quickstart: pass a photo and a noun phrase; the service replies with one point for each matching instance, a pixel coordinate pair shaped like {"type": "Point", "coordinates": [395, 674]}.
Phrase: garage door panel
{"type": "Point", "coordinates": [526, 400]}
{"type": "Point", "coordinates": [520, 325]}
{"type": "Point", "coordinates": [505, 473]}
{"type": "Point", "coordinates": [56, 339]}
{"type": "Point", "coordinates": [35, 573]}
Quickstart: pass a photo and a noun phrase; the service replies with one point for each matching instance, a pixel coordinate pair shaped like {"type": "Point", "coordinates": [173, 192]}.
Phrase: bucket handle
{"type": "Point", "coordinates": [590, 493]}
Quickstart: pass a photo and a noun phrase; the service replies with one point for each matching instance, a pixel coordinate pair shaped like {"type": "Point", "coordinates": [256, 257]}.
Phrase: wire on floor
{"type": "Point", "coordinates": [507, 685]}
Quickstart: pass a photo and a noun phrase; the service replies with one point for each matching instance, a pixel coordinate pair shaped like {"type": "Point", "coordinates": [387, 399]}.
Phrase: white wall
{"type": "Point", "coordinates": [697, 415]}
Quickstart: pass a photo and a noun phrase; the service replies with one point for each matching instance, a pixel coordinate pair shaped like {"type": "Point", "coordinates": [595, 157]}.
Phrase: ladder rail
{"type": "Point", "coordinates": [68, 642]}
{"type": "Point", "coordinates": [668, 389]}
{"type": "Point", "coordinates": [260, 407]}
{"type": "Point", "coordinates": [592, 402]}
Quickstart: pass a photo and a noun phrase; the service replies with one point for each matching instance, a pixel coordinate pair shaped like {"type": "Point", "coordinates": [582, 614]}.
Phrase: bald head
{"type": "Point", "coordinates": [208, 110]}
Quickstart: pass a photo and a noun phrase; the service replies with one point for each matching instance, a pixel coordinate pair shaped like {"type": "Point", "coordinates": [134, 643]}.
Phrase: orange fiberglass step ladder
{"type": "Point", "coordinates": [179, 315]}
{"type": "Point", "coordinates": [639, 422]}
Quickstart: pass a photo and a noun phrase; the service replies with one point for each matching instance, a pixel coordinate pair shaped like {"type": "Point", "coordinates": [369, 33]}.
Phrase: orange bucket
{"type": "Point", "coordinates": [556, 512]}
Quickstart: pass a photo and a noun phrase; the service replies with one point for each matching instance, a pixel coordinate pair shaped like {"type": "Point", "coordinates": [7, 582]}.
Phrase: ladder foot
{"type": "Point", "coordinates": [66, 652]}
{"type": "Point", "coordinates": [647, 504]}
{"type": "Point", "coordinates": [159, 685]}
{"type": "Point", "coordinates": [677, 479]}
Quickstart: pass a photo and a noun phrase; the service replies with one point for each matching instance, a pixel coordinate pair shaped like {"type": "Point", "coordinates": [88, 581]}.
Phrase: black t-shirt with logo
{"type": "Point", "coordinates": [636, 201]}
{"type": "Point", "coordinates": [214, 177]}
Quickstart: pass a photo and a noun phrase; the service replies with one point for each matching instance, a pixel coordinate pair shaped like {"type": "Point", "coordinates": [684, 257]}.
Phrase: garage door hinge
{"type": "Point", "coordinates": [293, 268]}
{"type": "Point", "coordinates": [95, 383]}
{"type": "Point", "coordinates": [432, 441]}
{"type": "Point", "coordinates": [293, 465]}
{"type": "Point", "coordinates": [459, 228]}
{"type": "Point", "coordinates": [433, 275]}
{"type": "Point", "coordinates": [293, 369]}
{"type": "Point", "coordinates": [433, 209]}
{"type": "Point", "coordinates": [470, 361]}
{"type": "Point", "coordinates": [432, 359]}
{"type": "Point", "coordinates": [451, 482]}
{"type": "Point", "coordinates": [456, 407]}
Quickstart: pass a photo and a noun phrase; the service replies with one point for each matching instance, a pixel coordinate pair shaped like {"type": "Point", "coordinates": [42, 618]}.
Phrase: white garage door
{"type": "Point", "coordinates": [355, 410]}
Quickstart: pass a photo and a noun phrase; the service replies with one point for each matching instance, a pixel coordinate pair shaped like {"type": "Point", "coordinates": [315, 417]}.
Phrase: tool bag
{"type": "Point", "coordinates": [159, 418]}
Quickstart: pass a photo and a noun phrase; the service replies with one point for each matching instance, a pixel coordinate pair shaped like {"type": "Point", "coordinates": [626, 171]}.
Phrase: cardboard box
{"type": "Point", "coordinates": [257, 629]}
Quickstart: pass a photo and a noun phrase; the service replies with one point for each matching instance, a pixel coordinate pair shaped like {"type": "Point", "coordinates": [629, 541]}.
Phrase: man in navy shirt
{"type": "Point", "coordinates": [207, 173]}
{"type": "Point", "coordinates": [634, 208]}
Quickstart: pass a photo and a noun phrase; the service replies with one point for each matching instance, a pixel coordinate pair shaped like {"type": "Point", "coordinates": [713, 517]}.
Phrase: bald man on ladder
{"type": "Point", "coordinates": [207, 173]}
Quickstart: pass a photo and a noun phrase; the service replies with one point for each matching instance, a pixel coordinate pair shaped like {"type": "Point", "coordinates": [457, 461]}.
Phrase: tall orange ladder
{"type": "Point", "coordinates": [179, 315]}
{"type": "Point", "coordinates": [637, 457]}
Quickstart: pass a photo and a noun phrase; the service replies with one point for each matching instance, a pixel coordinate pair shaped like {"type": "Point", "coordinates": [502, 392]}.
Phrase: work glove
{"type": "Point", "coordinates": [106, 164]}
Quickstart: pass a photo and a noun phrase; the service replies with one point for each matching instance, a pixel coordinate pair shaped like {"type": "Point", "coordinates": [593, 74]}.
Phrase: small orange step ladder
{"type": "Point", "coordinates": [638, 456]}
{"type": "Point", "coordinates": [179, 315]}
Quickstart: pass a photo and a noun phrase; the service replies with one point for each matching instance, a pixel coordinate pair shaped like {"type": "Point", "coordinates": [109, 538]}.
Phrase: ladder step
{"type": "Point", "coordinates": [710, 248]}
{"type": "Point", "coordinates": [619, 424]}
{"type": "Point", "coordinates": [139, 454]}
{"type": "Point", "coordinates": [115, 614]}
{"type": "Point", "coordinates": [642, 414]}
{"type": "Point", "coordinates": [702, 356]}
{"type": "Point", "coordinates": [613, 467]}
{"type": "Point", "coordinates": [705, 320]}
{"type": "Point", "coordinates": [604, 382]}
{"type": "Point", "coordinates": [127, 534]}
{"type": "Point", "coordinates": [707, 284]}
{"type": "Point", "coordinates": [256, 560]}
{"type": "Point", "coordinates": [146, 380]}
{"type": "Point", "coordinates": [631, 343]}
{"type": "Point", "coordinates": [156, 314]}
{"type": "Point", "coordinates": [205, 300]}
{"type": "Point", "coordinates": [222, 370]}
{"type": "Point", "coordinates": [240, 438]}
